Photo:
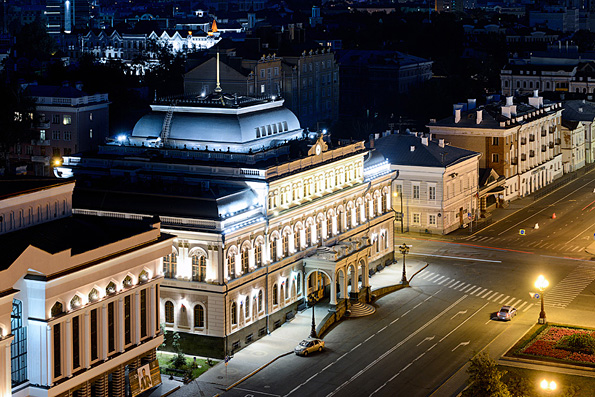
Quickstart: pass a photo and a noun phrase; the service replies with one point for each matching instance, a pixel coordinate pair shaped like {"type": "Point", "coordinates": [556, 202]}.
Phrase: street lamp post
{"type": "Point", "coordinates": [313, 330]}
{"type": "Point", "coordinates": [395, 194]}
{"type": "Point", "coordinates": [541, 284]}
{"type": "Point", "coordinates": [404, 248]}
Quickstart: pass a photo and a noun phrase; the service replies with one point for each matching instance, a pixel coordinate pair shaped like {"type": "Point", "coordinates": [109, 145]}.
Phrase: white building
{"type": "Point", "coordinates": [436, 183]}
{"type": "Point", "coordinates": [573, 145]}
{"type": "Point", "coordinates": [584, 112]}
{"type": "Point", "coordinates": [78, 295]}
{"type": "Point", "coordinates": [263, 213]}
{"type": "Point", "coordinates": [519, 140]}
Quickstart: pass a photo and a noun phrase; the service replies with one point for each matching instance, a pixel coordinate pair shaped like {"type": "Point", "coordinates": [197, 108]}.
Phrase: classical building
{"type": "Point", "coordinates": [573, 145]}
{"type": "Point", "coordinates": [436, 186]}
{"type": "Point", "coordinates": [584, 112]}
{"type": "Point", "coordinates": [67, 120]}
{"type": "Point", "coordinates": [78, 295]}
{"type": "Point", "coordinates": [519, 140]}
{"type": "Point", "coordinates": [264, 214]}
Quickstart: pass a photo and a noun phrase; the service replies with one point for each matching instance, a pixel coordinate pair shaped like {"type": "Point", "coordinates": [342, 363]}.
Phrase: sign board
{"type": "Point", "coordinates": [522, 232]}
{"type": "Point", "coordinates": [536, 296]}
{"type": "Point", "coordinates": [144, 378]}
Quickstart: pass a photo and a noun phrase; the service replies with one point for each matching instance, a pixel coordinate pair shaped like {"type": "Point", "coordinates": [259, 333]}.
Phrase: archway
{"type": "Point", "coordinates": [318, 285]}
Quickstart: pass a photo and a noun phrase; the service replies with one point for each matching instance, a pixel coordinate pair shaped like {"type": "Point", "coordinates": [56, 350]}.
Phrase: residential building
{"type": "Point", "coordinates": [436, 184]}
{"type": "Point", "coordinates": [584, 112]}
{"type": "Point", "coordinates": [573, 145]}
{"type": "Point", "coordinates": [78, 295]}
{"type": "Point", "coordinates": [558, 18]}
{"type": "Point", "coordinates": [67, 120]}
{"type": "Point", "coordinates": [519, 140]}
{"type": "Point", "coordinates": [264, 213]}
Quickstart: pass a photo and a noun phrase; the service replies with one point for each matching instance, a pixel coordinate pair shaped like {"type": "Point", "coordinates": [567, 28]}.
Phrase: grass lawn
{"type": "Point", "coordinates": [527, 381]}
{"type": "Point", "coordinates": [165, 358]}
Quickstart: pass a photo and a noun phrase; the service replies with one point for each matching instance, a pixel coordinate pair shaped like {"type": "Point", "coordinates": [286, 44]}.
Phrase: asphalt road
{"type": "Point", "coordinates": [420, 336]}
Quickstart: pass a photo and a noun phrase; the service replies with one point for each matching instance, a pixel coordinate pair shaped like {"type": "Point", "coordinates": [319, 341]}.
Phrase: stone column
{"type": "Point", "coordinates": [333, 300]}
{"type": "Point", "coordinates": [136, 318]}
{"type": "Point", "coordinates": [67, 359]}
{"type": "Point", "coordinates": [86, 340]}
{"type": "Point", "coordinates": [104, 331]}
{"type": "Point", "coordinates": [152, 311]}
{"type": "Point", "coordinates": [49, 356]}
{"type": "Point", "coordinates": [120, 326]}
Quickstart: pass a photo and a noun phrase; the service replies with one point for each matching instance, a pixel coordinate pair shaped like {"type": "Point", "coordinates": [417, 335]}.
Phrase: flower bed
{"type": "Point", "coordinates": [544, 345]}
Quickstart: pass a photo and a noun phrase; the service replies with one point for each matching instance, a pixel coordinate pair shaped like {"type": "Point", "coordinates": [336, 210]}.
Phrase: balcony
{"type": "Point", "coordinates": [41, 125]}
{"type": "Point", "coordinates": [38, 142]}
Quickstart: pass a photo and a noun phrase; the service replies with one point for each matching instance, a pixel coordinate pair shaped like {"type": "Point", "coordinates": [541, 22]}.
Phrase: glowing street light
{"type": "Point", "coordinates": [541, 284]}
{"type": "Point", "coordinates": [548, 386]}
{"type": "Point", "coordinates": [404, 248]}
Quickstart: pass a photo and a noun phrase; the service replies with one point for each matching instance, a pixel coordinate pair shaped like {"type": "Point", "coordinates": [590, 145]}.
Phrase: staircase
{"type": "Point", "coordinates": [167, 123]}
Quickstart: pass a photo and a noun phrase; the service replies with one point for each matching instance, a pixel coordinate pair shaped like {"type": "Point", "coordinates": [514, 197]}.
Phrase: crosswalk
{"type": "Point", "coordinates": [521, 242]}
{"type": "Point", "coordinates": [477, 290]}
{"type": "Point", "coordinates": [570, 287]}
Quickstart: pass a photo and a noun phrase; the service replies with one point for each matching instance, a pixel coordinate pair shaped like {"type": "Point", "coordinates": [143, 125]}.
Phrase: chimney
{"type": "Point", "coordinates": [471, 104]}
{"type": "Point", "coordinates": [457, 115]}
{"type": "Point", "coordinates": [509, 101]}
{"type": "Point", "coordinates": [479, 116]}
{"type": "Point", "coordinates": [513, 110]}
{"type": "Point", "coordinates": [441, 142]}
{"type": "Point", "coordinates": [506, 111]}
{"type": "Point", "coordinates": [424, 140]}
{"type": "Point", "coordinates": [536, 101]}
{"type": "Point", "coordinates": [412, 148]}
{"type": "Point", "coordinates": [580, 110]}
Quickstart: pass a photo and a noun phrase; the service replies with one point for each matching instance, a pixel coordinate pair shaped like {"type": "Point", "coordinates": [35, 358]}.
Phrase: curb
{"type": "Point", "coordinates": [175, 389]}
{"type": "Point", "coordinates": [257, 370]}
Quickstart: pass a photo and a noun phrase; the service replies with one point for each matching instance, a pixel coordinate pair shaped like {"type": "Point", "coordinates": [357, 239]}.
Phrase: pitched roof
{"type": "Point", "coordinates": [397, 148]}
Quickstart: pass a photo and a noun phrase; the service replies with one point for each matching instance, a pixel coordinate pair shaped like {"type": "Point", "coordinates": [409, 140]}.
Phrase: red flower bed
{"type": "Point", "coordinates": [544, 345]}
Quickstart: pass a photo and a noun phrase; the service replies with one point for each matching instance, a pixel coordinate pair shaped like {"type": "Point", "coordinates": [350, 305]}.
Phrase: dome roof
{"type": "Point", "coordinates": [226, 127]}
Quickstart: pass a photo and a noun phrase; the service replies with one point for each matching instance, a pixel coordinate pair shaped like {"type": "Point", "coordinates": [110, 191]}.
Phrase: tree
{"type": "Point", "coordinates": [179, 359]}
{"type": "Point", "coordinates": [33, 41]}
{"type": "Point", "coordinates": [485, 379]}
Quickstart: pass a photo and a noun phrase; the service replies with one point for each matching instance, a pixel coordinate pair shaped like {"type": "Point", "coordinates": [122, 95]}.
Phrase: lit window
{"type": "Point", "coordinates": [66, 120]}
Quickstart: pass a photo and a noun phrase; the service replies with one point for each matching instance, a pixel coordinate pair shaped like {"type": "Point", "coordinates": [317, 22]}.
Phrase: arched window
{"type": "Point", "coordinates": [199, 268]}
{"type": "Point", "coordinates": [231, 266]}
{"type": "Point", "coordinates": [169, 312]}
{"type": "Point", "coordinates": [75, 302]}
{"type": "Point", "coordinates": [260, 300]}
{"type": "Point", "coordinates": [275, 295]}
{"type": "Point", "coordinates": [286, 245]}
{"type": "Point", "coordinates": [299, 283]}
{"type": "Point", "coordinates": [93, 295]}
{"type": "Point", "coordinates": [274, 250]}
{"type": "Point", "coordinates": [111, 288]}
{"type": "Point", "coordinates": [170, 265]}
{"type": "Point", "coordinates": [384, 207]}
{"type": "Point", "coordinates": [57, 309]}
{"type": "Point", "coordinates": [329, 226]}
{"type": "Point", "coordinates": [308, 235]}
{"type": "Point", "coordinates": [199, 316]}
{"type": "Point", "coordinates": [127, 283]}
{"type": "Point", "coordinates": [247, 309]}
{"type": "Point", "coordinates": [234, 313]}
{"type": "Point", "coordinates": [282, 295]}
{"type": "Point", "coordinates": [245, 261]}
{"type": "Point", "coordinates": [339, 222]}
{"type": "Point", "coordinates": [296, 239]}
{"type": "Point", "coordinates": [258, 254]}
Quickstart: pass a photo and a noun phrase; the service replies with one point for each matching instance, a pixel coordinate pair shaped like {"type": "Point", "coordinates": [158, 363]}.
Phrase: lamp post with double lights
{"type": "Point", "coordinates": [541, 284]}
{"type": "Point", "coordinates": [404, 248]}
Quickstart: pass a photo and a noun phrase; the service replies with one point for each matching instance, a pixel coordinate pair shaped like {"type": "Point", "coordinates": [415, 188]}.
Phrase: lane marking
{"type": "Point", "coordinates": [494, 294]}
{"type": "Point", "coordinates": [395, 347]}
{"type": "Point", "coordinates": [578, 235]}
{"type": "Point", "coordinates": [455, 284]}
{"type": "Point", "coordinates": [461, 324]}
{"type": "Point", "coordinates": [426, 339]}
{"type": "Point", "coordinates": [486, 294]}
{"type": "Point", "coordinates": [504, 300]}
{"type": "Point", "coordinates": [528, 307]}
{"type": "Point", "coordinates": [407, 312]}
{"type": "Point", "coordinates": [382, 329]}
{"type": "Point", "coordinates": [443, 281]}
{"type": "Point", "coordinates": [420, 303]}
{"type": "Point", "coordinates": [456, 257]}
{"type": "Point", "coordinates": [461, 344]}
{"type": "Point", "coordinates": [395, 320]}
{"type": "Point", "coordinates": [521, 306]}
{"type": "Point", "coordinates": [461, 312]}
{"type": "Point", "coordinates": [438, 279]}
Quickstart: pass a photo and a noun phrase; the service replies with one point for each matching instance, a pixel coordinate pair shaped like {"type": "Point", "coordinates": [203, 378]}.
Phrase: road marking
{"type": "Point", "coordinates": [475, 290]}
{"type": "Point", "coordinates": [499, 296]}
{"type": "Point", "coordinates": [355, 347]}
{"type": "Point", "coordinates": [420, 303]}
{"type": "Point", "coordinates": [509, 303]}
{"type": "Point", "coordinates": [528, 307]}
{"type": "Point", "coordinates": [381, 329]}
{"type": "Point", "coordinates": [469, 289]}
{"type": "Point", "coordinates": [516, 303]}
{"type": "Point", "coordinates": [432, 279]}
{"type": "Point", "coordinates": [443, 281]}
{"type": "Point", "coordinates": [504, 300]}
{"type": "Point", "coordinates": [455, 284]}
{"type": "Point", "coordinates": [394, 321]}
{"type": "Point", "coordinates": [438, 279]}
{"type": "Point", "coordinates": [490, 320]}
{"type": "Point", "coordinates": [369, 337]}
{"type": "Point", "coordinates": [256, 392]}
{"type": "Point", "coordinates": [404, 314]}
{"type": "Point", "coordinates": [521, 306]}
{"type": "Point", "coordinates": [486, 294]}
{"type": "Point", "coordinates": [462, 312]}
{"type": "Point", "coordinates": [461, 344]}
{"type": "Point", "coordinates": [494, 294]}
{"type": "Point", "coordinates": [418, 357]}
{"type": "Point", "coordinates": [395, 347]}
{"type": "Point", "coordinates": [426, 339]}
{"type": "Point", "coordinates": [425, 276]}
{"type": "Point", "coordinates": [461, 324]}
{"type": "Point", "coordinates": [452, 280]}
{"type": "Point", "coordinates": [457, 257]}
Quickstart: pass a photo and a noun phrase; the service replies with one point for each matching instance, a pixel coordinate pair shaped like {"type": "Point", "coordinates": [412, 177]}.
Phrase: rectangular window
{"type": "Point", "coordinates": [90, 116]}
{"type": "Point", "coordinates": [94, 345]}
{"type": "Point", "coordinates": [111, 328]}
{"type": "Point", "coordinates": [127, 337]}
{"type": "Point", "coordinates": [432, 220]}
{"type": "Point", "coordinates": [76, 347]}
{"type": "Point", "coordinates": [262, 88]}
{"type": "Point", "coordinates": [416, 191]}
{"type": "Point", "coordinates": [143, 313]}
{"type": "Point", "coordinates": [56, 119]}
{"type": "Point", "coordinates": [416, 218]}
{"type": "Point", "coordinates": [67, 135]}
{"type": "Point", "coordinates": [262, 73]}
{"type": "Point", "coordinates": [57, 352]}
{"type": "Point", "coordinates": [67, 120]}
{"type": "Point", "coordinates": [432, 193]}
{"type": "Point", "coordinates": [91, 133]}
{"type": "Point", "coordinates": [276, 71]}
{"type": "Point", "coordinates": [495, 141]}
{"type": "Point", "coordinates": [495, 158]}
{"type": "Point", "coordinates": [56, 135]}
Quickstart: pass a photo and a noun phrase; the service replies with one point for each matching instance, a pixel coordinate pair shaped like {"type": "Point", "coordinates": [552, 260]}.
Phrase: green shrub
{"type": "Point", "coordinates": [578, 343]}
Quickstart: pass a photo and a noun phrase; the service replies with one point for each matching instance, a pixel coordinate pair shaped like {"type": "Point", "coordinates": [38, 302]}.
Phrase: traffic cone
{"type": "Point", "coordinates": [554, 216]}
{"type": "Point", "coordinates": [536, 226]}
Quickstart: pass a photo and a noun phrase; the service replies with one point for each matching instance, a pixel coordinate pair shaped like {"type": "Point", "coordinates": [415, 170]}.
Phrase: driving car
{"type": "Point", "coordinates": [506, 313]}
{"type": "Point", "coordinates": [308, 346]}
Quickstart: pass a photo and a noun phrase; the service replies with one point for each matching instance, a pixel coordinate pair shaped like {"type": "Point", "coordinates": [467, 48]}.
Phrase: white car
{"type": "Point", "coordinates": [308, 346]}
{"type": "Point", "coordinates": [506, 313]}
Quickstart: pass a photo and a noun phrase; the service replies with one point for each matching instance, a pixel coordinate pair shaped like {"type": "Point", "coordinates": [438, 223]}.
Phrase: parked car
{"type": "Point", "coordinates": [308, 346]}
{"type": "Point", "coordinates": [506, 313]}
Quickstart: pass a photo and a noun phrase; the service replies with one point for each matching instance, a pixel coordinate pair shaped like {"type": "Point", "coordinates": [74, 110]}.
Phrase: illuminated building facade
{"type": "Point", "coordinates": [264, 214]}
{"type": "Point", "coordinates": [78, 294]}
{"type": "Point", "coordinates": [519, 140]}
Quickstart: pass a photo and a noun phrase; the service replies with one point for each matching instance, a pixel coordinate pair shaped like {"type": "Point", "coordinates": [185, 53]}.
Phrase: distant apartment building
{"type": "Point", "coordinates": [79, 296]}
{"type": "Point", "coordinates": [519, 140]}
{"type": "Point", "coordinates": [558, 18]}
{"type": "Point", "coordinates": [66, 121]}
{"type": "Point", "coordinates": [371, 79]}
{"type": "Point", "coordinates": [308, 82]}
{"type": "Point", "coordinates": [584, 112]}
{"type": "Point", "coordinates": [63, 16]}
